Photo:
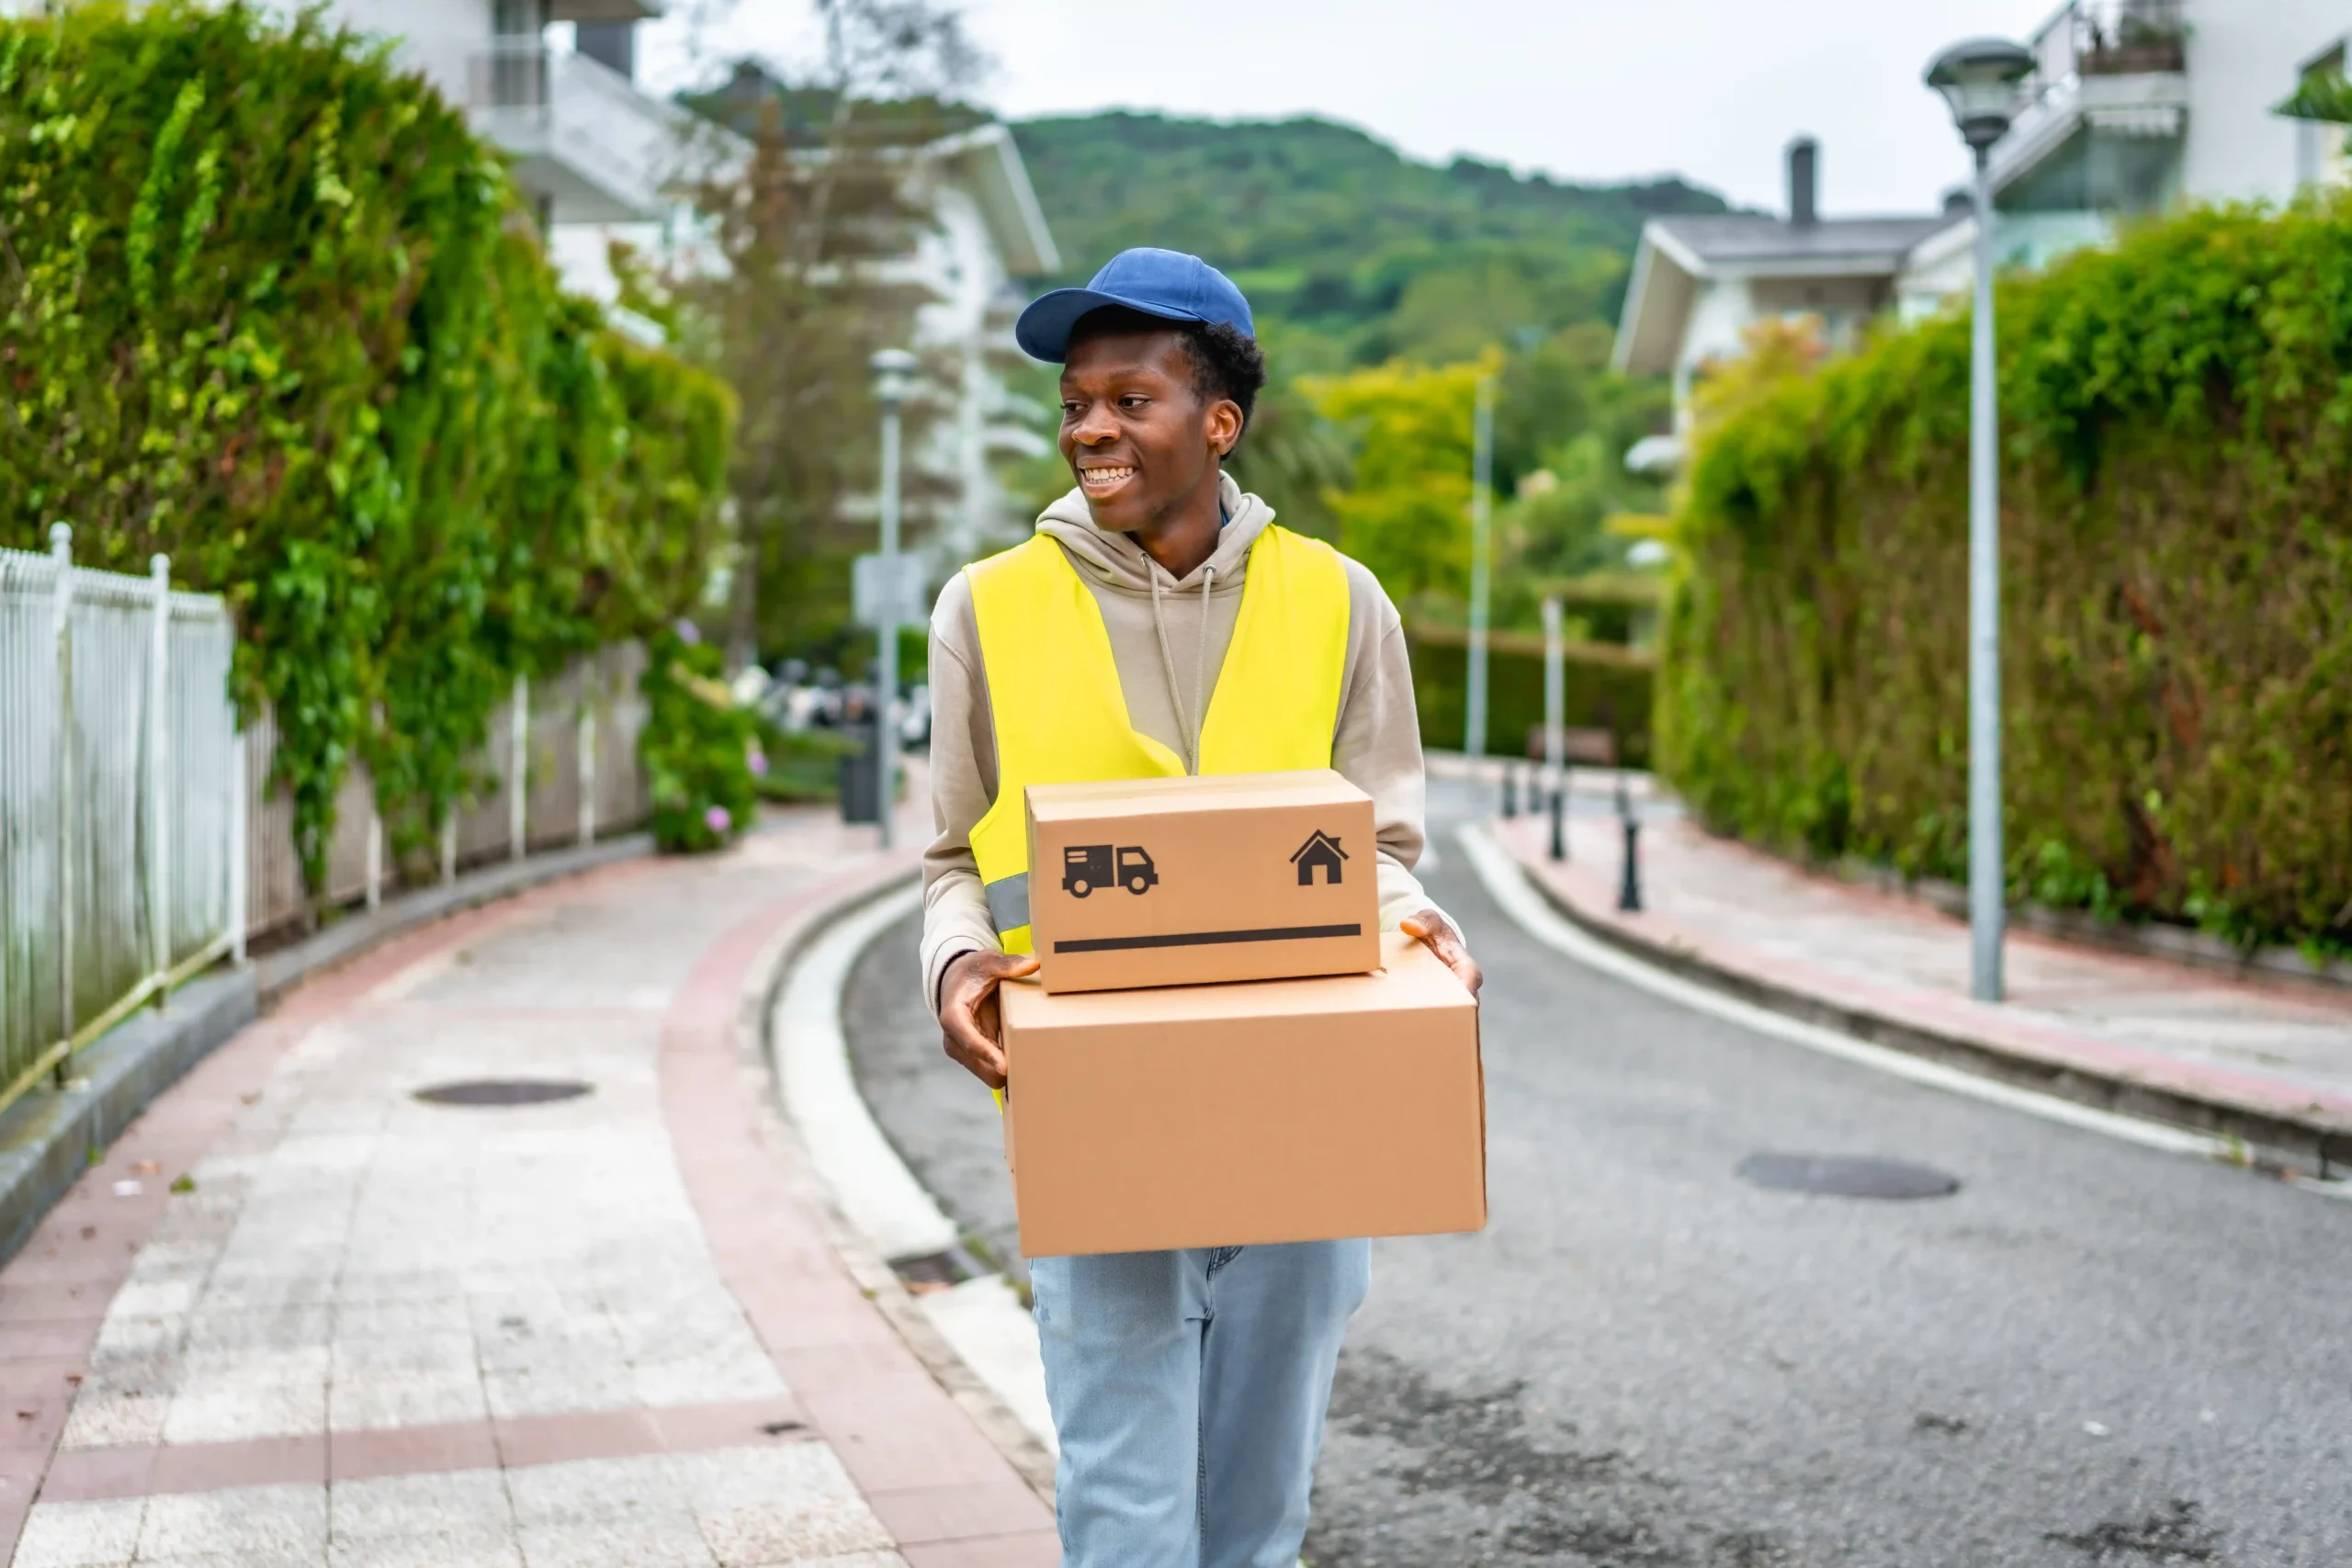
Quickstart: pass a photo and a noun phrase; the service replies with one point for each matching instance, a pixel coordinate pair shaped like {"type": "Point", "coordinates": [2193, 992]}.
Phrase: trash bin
{"type": "Point", "coordinates": [861, 797]}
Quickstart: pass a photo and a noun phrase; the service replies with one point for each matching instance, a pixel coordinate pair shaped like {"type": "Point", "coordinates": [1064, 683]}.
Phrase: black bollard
{"type": "Point", "coordinates": [1511, 789]}
{"type": "Point", "coordinates": [1559, 834]}
{"type": "Point", "coordinates": [1624, 803]}
{"type": "Point", "coordinates": [1629, 892]}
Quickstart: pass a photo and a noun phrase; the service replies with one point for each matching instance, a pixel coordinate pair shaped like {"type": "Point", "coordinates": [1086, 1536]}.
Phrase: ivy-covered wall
{"type": "Point", "coordinates": [268, 306]}
{"type": "Point", "coordinates": [2176, 588]}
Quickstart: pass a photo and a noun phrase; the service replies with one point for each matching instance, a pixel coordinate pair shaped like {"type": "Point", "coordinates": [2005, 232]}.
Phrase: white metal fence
{"type": "Point", "coordinates": [139, 837]}
{"type": "Point", "coordinates": [575, 749]}
{"type": "Point", "coordinates": [118, 761]}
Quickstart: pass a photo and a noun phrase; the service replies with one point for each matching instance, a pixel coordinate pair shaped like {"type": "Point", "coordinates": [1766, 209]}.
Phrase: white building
{"type": "Point", "coordinates": [589, 148]}
{"type": "Point", "coordinates": [2137, 104]}
{"type": "Point", "coordinates": [2134, 107]}
{"type": "Point", "coordinates": [987, 233]}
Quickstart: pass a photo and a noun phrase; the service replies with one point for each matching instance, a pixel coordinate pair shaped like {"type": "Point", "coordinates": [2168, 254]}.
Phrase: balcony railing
{"type": "Point", "coordinates": [582, 115]}
{"type": "Point", "coordinates": [515, 74]}
{"type": "Point", "coordinates": [2107, 38]}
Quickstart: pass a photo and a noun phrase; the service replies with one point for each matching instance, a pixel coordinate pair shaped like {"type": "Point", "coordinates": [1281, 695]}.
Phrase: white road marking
{"type": "Point", "coordinates": [1508, 885]}
{"type": "Point", "coordinates": [981, 1319]}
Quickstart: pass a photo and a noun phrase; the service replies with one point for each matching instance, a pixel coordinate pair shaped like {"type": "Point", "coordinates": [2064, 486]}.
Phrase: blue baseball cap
{"type": "Point", "coordinates": [1167, 283]}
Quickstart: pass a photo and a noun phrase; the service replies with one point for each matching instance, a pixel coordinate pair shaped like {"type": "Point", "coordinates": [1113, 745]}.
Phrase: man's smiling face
{"type": "Point", "coordinates": [1138, 432]}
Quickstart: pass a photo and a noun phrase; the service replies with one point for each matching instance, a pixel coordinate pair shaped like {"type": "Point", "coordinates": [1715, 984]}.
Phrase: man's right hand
{"type": "Point", "coordinates": [971, 1026]}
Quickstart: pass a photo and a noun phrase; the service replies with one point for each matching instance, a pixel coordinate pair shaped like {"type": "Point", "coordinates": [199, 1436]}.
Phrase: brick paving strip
{"type": "Point", "coordinates": [2266, 1060]}
{"type": "Point", "coordinates": [609, 1330]}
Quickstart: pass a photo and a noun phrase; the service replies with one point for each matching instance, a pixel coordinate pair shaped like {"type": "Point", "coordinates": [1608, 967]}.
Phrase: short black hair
{"type": "Point", "coordinates": [1226, 361]}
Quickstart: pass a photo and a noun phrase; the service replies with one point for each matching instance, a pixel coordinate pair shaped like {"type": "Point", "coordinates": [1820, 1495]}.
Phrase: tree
{"type": "Point", "coordinates": [796, 296]}
{"type": "Point", "coordinates": [1563, 422]}
{"type": "Point", "coordinates": [1406, 514]}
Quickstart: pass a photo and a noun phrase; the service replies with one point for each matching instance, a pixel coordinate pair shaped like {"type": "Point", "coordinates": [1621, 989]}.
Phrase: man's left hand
{"type": "Point", "coordinates": [1446, 941]}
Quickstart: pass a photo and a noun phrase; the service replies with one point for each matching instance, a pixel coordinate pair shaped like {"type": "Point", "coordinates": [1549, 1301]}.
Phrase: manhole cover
{"type": "Point", "coordinates": [1843, 1176]}
{"type": "Point", "coordinates": [502, 1091]}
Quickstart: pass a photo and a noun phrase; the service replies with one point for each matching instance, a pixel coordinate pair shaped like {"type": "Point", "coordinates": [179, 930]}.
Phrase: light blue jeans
{"type": "Point", "coordinates": [1188, 1391]}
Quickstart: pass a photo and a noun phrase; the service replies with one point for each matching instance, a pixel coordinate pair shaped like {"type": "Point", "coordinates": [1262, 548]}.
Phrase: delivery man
{"type": "Point", "coordinates": [1158, 623]}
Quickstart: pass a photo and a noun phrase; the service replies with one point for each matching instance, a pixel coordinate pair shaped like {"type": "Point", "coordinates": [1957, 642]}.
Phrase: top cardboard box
{"type": "Point", "coordinates": [1199, 881]}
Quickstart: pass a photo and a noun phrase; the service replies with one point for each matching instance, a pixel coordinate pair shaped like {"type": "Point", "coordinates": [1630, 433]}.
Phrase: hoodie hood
{"type": "Point", "coordinates": [1117, 562]}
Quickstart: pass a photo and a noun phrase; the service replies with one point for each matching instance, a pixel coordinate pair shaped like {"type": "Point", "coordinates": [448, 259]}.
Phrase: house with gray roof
{"type": "Point", "coordinates": [1698, 283]}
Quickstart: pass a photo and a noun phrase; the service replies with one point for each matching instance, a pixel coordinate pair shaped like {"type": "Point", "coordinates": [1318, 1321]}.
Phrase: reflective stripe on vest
{"type": "Point", "coordinates": [1060, 716]}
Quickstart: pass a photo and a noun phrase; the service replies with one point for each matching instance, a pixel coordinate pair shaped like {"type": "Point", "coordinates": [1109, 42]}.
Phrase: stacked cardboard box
{"type": "Point", "coordinates": [1220, 1047]}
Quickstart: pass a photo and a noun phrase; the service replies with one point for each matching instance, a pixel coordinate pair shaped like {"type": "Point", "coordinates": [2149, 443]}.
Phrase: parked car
{"type": "Point", "coordinates": [914, 718]}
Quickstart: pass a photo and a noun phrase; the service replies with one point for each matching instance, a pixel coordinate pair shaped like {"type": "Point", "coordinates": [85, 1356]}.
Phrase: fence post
{"type": "Point", "coordinates": [518, 791]}
{"type": "Point", "coordinates": [449, 844]}
{"type": "Point", "coordinates": [374, 853]}
{"type": "Point", "coordinates": [159, 773]}
{"type": "Point", "coordinates": [587, 768]}
{"type": "Point", "coordinates": [61, 551]}
{"type": "Point", "coordinates": [240, 842]}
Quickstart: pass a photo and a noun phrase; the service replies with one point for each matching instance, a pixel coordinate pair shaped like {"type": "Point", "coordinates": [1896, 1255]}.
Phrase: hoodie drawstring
{"type": "Point", "coordinates": [1201, 667]}
{"type": "Point", "coordinates": [1187, 729]}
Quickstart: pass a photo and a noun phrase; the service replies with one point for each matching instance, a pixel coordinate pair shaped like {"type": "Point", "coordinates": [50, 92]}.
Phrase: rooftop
{"type": "Point", "coordinates": [1750, 242]}
{"type": "Point", "coordinates": [1681, 257]}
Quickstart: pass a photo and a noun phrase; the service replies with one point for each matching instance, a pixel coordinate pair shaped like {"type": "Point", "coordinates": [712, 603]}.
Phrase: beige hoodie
{"type": "Point", "coordinates": [1168, 637]}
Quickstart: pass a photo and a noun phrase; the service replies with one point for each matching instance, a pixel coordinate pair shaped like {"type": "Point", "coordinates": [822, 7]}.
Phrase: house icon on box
{"type": "Point", "coordinates": [1321, 850]}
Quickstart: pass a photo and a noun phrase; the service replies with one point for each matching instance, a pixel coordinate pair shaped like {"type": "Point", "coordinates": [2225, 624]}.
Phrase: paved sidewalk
{"type": "Point", "coordinates": [2178, 1040]}
{"type": "Point", "coordinates": [604, 1332]}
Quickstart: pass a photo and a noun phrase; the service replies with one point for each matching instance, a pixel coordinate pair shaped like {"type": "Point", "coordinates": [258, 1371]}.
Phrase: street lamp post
{"type": "Point", "coordinates": [1979, 81]}
{"type": "Point", "coordinates": [894, 371]}
{"type": "Point", "coordinates": [1482, 483]}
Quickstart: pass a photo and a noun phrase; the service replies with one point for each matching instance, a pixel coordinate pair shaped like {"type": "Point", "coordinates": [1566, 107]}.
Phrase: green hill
{"type": "Point", "coordinates": [1340, 239]}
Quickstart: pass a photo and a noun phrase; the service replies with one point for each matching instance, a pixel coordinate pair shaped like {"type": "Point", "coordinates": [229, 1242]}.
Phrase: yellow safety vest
{"type": "Point", "coordinates": [1061, 718]}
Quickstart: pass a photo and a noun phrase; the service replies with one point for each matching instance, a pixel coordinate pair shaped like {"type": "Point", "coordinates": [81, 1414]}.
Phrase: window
{"type": "Point", "coordinates": [517, 18]}
{"type": "Point", "coordinates": [2320, 106]}
{"type": "Point", "coordinates": [2099, 171]}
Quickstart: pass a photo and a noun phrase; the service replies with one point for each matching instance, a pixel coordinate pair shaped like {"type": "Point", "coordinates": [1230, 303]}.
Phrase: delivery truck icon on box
{"type": "Point", "coordinates": [1086, 867]}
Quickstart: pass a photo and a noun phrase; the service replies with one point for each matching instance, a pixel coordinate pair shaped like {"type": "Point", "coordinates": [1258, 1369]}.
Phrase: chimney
{"type": "Point", "coordinates": [610, 43]}
{"type": "Point", "coordinates": [1805, 158]}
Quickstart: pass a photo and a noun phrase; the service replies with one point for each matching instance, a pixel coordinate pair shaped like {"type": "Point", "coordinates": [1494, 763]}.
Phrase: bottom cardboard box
{"type": "Point", "coordinates": [1265, 1112]}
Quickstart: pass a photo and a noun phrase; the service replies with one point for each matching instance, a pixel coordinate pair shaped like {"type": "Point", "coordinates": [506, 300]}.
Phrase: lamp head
{"type": "Point", "coordinates": [894, 375]}
{"type": "Point", "coordinates": [1979, 80]}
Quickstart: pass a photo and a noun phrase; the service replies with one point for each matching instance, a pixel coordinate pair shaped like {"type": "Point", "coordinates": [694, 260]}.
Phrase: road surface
{"type": "Point", "coordinates": [2092, 1353]}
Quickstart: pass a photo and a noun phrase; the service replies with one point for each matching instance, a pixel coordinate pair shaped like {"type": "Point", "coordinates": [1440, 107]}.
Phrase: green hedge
{"type": "Point", "coordinates": [698, 748]}
{"type": "Point", "coordinates": [1601, 689]}
{"type": "Point", "coordinates": [269, 307]}
{"type": "Point", "coordinates": [2177, 579]}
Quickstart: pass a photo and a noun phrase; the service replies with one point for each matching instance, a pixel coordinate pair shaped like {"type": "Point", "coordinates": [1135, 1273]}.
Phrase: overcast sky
{"type": "Point", "coordinates": [1583, 89]}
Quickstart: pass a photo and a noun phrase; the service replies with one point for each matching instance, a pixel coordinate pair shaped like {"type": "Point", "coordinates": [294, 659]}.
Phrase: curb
{"type": "Point", "coordinates": [769, 977]}
{"type": "Point", "coordinates": [2274, 1140]}
{"type": "Point", "coordinates": [47, 1138]}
